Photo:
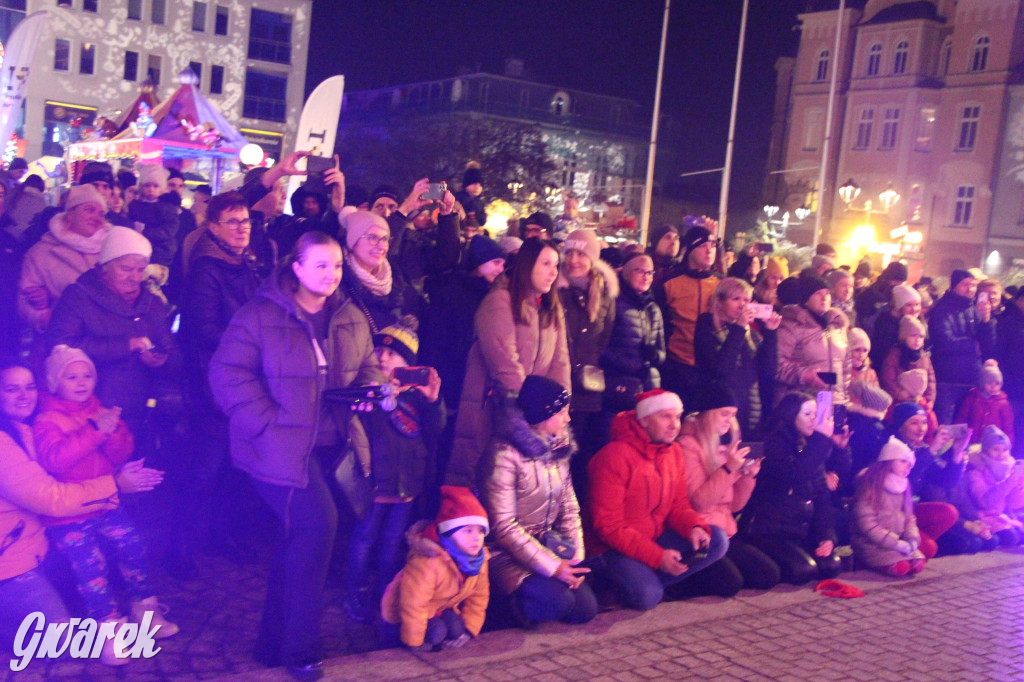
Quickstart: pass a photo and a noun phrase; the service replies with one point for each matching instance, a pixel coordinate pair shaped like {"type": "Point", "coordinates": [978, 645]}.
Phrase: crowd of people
{"type": "Point", "coordinates": [524, 429]}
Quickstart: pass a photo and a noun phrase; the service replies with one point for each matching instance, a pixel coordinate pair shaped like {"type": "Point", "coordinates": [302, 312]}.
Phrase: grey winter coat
{"type": "Point", "coordinates": [526, 487]}
{"type": "Point", "coordinates": [804, 344]}
{"type": "Point", "coordinates": [265, 377]}
{"type": "Point", "coordinates": [877, 528]}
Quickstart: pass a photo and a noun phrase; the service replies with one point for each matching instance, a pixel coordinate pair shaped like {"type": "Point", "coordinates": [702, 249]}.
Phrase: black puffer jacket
{"type": "Point", "coordinates": [1010, 335]}
{"type": "Point", "coordinates": [428, 252]}
{"type": "Point", "coordinates": [636, 347]}
{"type": "Point", "coordinates": [587, 338]}
{"type": "Point", "coordinates": [446, 332]}
{"type": "Point", "coordinates": [161, 226]}
{"type": "Point", "coordinates": [90, 316]}
{"type": "Point", "coordinates": [791, 498]}
{"type": "Point", "coordinates": [960, 340]}
{"type": "Point", "coordinates": [403, 445]}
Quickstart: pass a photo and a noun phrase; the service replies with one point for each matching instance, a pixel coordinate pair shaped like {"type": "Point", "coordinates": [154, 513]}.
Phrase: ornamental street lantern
{"type": "Point", "coordinates": [849, 191]}
{"type": "Point", "coordinates": [889, 197]}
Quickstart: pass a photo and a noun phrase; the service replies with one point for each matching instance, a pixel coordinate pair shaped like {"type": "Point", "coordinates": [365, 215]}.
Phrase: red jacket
{"type": "Point", "coordinates": [637, 490]}
{"type": "Point", "coordinates": [979, 410]}
{"type": "Point", "coordinates": [72, 449]}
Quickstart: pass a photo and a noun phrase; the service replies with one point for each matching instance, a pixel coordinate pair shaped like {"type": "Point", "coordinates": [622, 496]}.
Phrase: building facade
{"type": "Point", "coordinates": [250, 56]}
{"type": "Point", "coordinates": [596, 142]}
{"type": "Point", "coordinates": [921, 108]}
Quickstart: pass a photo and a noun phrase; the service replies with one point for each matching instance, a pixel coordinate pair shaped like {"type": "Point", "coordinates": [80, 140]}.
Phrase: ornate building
{"type": "Point", "coordinates": [922, 108]}
{"type": "Point", "coordinates": [250, 56]}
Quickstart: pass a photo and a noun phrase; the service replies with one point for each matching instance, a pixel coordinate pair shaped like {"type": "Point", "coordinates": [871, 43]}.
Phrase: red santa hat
{"type": "Point", "coordinates": [460, 508]}
{"type": "Point", "coordinates": [655, 401]}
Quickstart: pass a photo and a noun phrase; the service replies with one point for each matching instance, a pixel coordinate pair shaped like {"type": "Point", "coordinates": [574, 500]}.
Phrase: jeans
{"type": "Point", "coordinates": [24, 594]}
{"type": "Point", "coordinates": [642, 587]}
{"type": "Point", "coordinates": [308, 520]}
{"type": "Point", "coordinates": [543, 599]}
{"type": "Point", "coordinates": [89, 544]}
{"type": "Point", "coordinates": [948, 398]}
{"type": "Point", "coordinates": [446, 625]}
{"type": "Point", "coordinates": [382, 527]}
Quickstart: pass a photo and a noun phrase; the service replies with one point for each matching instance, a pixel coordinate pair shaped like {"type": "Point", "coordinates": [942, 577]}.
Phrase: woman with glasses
{"type": "Point", "coordinates": [731, 350]}
{"type": "Point", "coordinates": [381, 291]}
{"type": "Point", "coordinates": [636, 348]}
{"type": "Point", "coordinates": [27, 491]}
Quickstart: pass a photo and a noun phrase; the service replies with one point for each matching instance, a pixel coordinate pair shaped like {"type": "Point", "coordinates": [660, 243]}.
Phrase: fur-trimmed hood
{"type": "Point", "coordinates": [601, 270]}
{"type": "Point", "coordinates": [510, 427]}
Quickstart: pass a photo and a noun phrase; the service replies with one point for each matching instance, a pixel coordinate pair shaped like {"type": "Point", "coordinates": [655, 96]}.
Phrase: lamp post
{"type": "Point", "coordinates": [864, 235]}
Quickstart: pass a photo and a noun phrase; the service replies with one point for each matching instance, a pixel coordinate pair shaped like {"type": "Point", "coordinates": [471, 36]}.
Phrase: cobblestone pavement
{"type": "Point", "coordinates": [963, 619]}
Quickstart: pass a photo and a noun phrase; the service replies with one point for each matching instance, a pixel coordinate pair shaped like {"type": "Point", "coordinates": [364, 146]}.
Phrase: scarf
{"type": "Point", "coordinates": [379, 285]}
{"type": "Point", "coordinates": [908, 357]}
{"type": "Point", "coordinates": [896, 484]}
{"type": "Point", "coordinates": [467, 565]}
{"type": "Point", "coordinates": [62, 233]}
{"type": "Point", "coordinates": [247, 256]}
{"type": "Point", "coordinates": [999, 468]}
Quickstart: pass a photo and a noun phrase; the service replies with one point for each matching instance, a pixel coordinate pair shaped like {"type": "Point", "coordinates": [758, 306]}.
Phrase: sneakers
{"type": "Point", "coordinates": [359, 606]}
{"type": "Point", "coordinates": [139, 609]}
{"type": "Point", "coordinates": [107, 655]}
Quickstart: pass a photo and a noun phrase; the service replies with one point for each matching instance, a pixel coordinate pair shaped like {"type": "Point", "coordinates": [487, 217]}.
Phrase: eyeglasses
{"type": "Point", "coordinates": [376, 239]}
{"type": "Point", "coordinates": [235, 223]}
{"type": "Point", "coordinates": [645, 273]}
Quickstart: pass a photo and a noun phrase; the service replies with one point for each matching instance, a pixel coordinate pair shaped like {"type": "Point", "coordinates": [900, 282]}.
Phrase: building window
{"type": "Point", "coordinates": [890, 128]}
{"type": "Point", "coordinates": [821, 73]}
{"type": "Point", "coordinates": [87, 59]}
{"type": "Point", "coordinates": [946, 57]}
{"type": "Point", "coordinates": [199, 16]}
{"type": "Point", "coordinates": [131, 65]}
{"type": "Point", "coordinates": [979, 58]}
{"type": "Point", "coordinates": [90, 6]}
{"type": "Point", "coordinates": [61, 55]}
{"type": "Point", "coordinates": [135, 9]}
{"type": "Point", "coordinates": [153, 68]}
{"type": "Point", "coordinates": [925, 129]}
{"type": "Point", "coordinates": [159, 11]}
{"type": "Point", "coordinates": [867, 117]}
{"type": "Point", "coordinates": [812, 129]}
{"type": "Point", "coordinates": [265, 95]}
{"type": "Point", "coordinates": [197, 69]}
{"type": "Point", "coordinates": [874, 59]}
{"type": "Point", "coordinates": [914, 204]}
{"type": "Point", "coordinates": [270, 36]}
{"type": "Point", "coordinates": [216, 79]}
{"type": "Point", "coordinates": [220, 24]}
{"type": "Point", "coordinates": [899, 63]}
{"type": "Point", "coordinates": [63, 3]}
{"type": "Point", "coordinates": [964, 205]}
{"type": "Point", "coordinates": [969, 118]}
{"type": "Point", "coordinates": [560, 104]}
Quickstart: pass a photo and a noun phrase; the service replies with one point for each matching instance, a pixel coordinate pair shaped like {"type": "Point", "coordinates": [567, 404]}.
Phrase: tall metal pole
{"type": "Point", "coordinates": [645, 219]}
{"type": "Point", "coordinates": [827, 142]}
{"type": "Point", "coordinates": [723, 200]}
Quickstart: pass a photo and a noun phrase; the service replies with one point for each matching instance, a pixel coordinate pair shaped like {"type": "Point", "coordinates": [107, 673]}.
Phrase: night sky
{"type": "Point", "coordinates": [603, 47]}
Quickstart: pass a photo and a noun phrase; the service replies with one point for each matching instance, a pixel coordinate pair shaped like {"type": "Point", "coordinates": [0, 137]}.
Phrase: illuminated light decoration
{"type": "Point", "coordinates": [993, 260]}
{"type": "Point", "coordinates": [863, 235]}
{"type": "Point", "coordinates": [802, 212]}
{"type": "Point", "coordinates": [770, 211]}
{"type": "Point", "coordinates": [11, 150]}
{"type": "Point", "coordinates": [899, 233]}
{"type": "Point", "coordinates": [914, 238]}
{"type": "Point", "coordinates": [889, 197]}
{"type": "Point", "coordinates": [251, 154]}
{"type": "Point", "coordinates": [849, 191]}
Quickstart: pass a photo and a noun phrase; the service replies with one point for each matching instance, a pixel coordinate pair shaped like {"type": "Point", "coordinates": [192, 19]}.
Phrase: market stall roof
{"type": "Point", "coordinates": [146, 96]}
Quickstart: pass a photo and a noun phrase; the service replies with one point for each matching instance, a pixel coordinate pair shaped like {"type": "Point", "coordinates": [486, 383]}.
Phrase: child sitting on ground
{"type": "Point", "coordinates": [987, 404]}
{"type": "Point", "coordinates": [884, 530]}
{"type": "Point", "coordinates": [440, 597]}
{"type": "Point", "coordinates": [403, 455]}
{"type": "Point", "coordinates": [995, 488]}
{"type": "Point", "coordinates": [78, 439]}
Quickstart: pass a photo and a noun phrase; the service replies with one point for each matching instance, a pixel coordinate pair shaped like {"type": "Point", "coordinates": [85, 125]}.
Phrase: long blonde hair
{"type": "Point", "coordinates": [702, 427]}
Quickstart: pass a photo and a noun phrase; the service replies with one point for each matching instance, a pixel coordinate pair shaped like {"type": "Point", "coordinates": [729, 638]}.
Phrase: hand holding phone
{"type": "Point", "coordinates": [435, 191]}
{"type": "Point", "coordinates": [412, 376]}
{"type": "Point", "coordinates": [762, 311]}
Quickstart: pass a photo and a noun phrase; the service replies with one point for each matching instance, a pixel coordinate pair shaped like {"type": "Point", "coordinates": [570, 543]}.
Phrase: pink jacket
{"type": "Point", "coordinates": [716, 496]}
{"type": "Point", "coordinates": [992, 499]}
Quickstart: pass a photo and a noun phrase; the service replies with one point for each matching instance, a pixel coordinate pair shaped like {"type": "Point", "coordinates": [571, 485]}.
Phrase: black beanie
{"type": "Point", "coordinates": [695, 236]}
{"type": "Point", "coordinates": [895, 272]}
{"type": "Point", "coordinates": [789, 291]}
{"type": "Point", "coordinates": [711, 396]}
{"type": "Point", "coordinates": [383, 191]}
{"type": "Point", "coordinates": [97, 171]}
{"type": "Point", "coordinates": [659, 232]}
{"type": "Point", "coordinates": [472, 176]}
{"type": "Point", "coordinates": [809, 286]}
{"type": "Point", "coordinates": [482, 250]}
{"type": "Point", "coordinates": [541, 398]}
{"type": "Point", "coordinates": [958, 276]}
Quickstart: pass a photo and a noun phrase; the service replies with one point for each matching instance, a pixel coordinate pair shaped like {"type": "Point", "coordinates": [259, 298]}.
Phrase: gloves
{"type": "Point", "coordinates": [456, 643]}
{"type": "Point", "coordinates": [903, 547]}
{"type": "Point", "coordinates": [914, 544]}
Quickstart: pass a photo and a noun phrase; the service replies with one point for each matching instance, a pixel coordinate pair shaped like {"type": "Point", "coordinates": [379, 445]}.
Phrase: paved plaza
{"type": "Point", "coordinates": [962, 619]}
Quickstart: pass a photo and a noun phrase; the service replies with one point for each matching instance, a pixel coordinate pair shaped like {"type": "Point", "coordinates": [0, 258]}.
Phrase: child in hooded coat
{"type": "Point", "coordinates": [987, 404]}
{"type": "Point", "coordinates": [995, 488]}
{"type": "Point", "coordinates": [440, 597]}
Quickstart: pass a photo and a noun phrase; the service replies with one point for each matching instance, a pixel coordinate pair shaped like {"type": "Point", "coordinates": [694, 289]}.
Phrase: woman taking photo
{"type": "Point", "coordinates": [729, 350]}
{"type": "Point", "coordinates": [297, 337]}
{"type": "Point", "coordinates": [720, 479]}
{"type": "Point", "coordinates": [520, 330]}
{"type": "Point", "coordinates": [27, 491]}
{"type": "Point", "coordinates": [790, 516]}
{"type": "Point", "coordinates": [528, 492]}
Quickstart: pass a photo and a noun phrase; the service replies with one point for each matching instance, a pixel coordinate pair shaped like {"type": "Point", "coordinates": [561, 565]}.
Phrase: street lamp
{"type": "Point", "coordinates": [849, 191]}
{"type": "Point", "coordinates": [889, 197]}
{"type": "Point", "coordinates": [802, 212]}
{"type": "Point", "coordinates": [770, 211]}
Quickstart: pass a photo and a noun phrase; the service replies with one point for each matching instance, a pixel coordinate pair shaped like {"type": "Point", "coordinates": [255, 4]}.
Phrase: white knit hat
{"type": "Point", "coordinates": [896, 449]}
{"type": "Point", "coordinates": [84, 194]}
{"type": "Point", "coordinates": [153, 173]}
{"type": "Point", "coordinates": [903, 294]}
{"type": "Point", "coordinates": [124, 241]}
{"type": "Point", "coordinates": [60, 357]}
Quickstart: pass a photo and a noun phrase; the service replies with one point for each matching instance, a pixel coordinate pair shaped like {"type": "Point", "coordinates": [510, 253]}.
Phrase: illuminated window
{"type": "Point", "coordinates": [964, 205]}
{"type": "Point", "coordinates": [914, 204]}
{"type": "Point", "coordinates": [874, 59]}
{"type": "Point", "coordinates": [560, 104]}
{"type": "Point", "coordinates": [899, 64]}
{"type": "Point", "coordinates": [812, 129]}
{"type": "Point", "coordinates": [87, 59]}
{"type": "Point", "coordinates": [979, 58]}
{"type": "Point", "coordinates": [822, 71]}
{"type": "Point", "coordinates": [925, 129]}
{"type": "Point", "coordinates": [969, 119]}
